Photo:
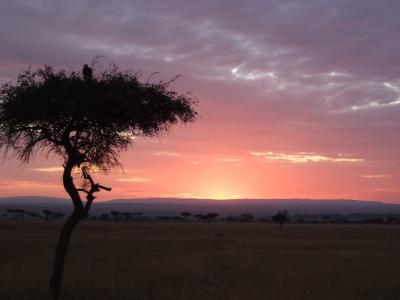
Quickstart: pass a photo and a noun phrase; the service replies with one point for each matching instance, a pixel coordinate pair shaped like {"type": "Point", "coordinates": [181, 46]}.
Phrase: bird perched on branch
{"type": "Point", "coordinates": [87, 72]}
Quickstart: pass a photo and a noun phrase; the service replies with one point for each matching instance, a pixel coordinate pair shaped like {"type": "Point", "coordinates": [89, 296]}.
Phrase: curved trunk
{"type": "Point", "coordinates": [61, 253]}
{"type": "Point", "coordinates": [65, 236]}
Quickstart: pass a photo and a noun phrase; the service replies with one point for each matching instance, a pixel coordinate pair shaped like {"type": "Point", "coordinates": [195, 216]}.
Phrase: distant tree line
{"type": "Point", "coordinates": [19, 214]}
{"type": "Point", "coordinates": [279, 218]}
{"type": "Point", "coordinates": [355, 218]}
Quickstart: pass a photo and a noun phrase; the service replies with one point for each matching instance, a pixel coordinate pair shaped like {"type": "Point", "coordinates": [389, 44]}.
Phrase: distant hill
{"type": "Point", "coordinates": [174, 206]}
{"type": "Point", "coordinates": [21, 200]}
{"type": "Point", "coordinates": [34, 203]}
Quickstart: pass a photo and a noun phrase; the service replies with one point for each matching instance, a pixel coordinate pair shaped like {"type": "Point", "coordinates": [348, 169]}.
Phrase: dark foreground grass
{"type": "Point", "coordinates": [191, 262]}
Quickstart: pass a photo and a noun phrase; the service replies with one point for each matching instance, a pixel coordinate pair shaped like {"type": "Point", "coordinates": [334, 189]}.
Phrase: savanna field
{"type": "Point", "coordinates": [164, 261]}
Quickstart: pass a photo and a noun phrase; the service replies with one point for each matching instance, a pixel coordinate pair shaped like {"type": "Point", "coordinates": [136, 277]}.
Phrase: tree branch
{"type": "Point", "coordinates": [94, 188]}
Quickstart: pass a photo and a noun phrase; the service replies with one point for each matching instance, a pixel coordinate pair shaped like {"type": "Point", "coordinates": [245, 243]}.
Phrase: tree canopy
{"type": "Point", "coordinates": [86, 119]}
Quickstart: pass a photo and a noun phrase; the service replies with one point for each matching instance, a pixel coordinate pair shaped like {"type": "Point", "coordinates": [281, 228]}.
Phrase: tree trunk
{"type": "Point", "coordinates": [61, 253]}
{"type": "Point", "coordinates": [65, 236]}
{"type": "Point", "coordinates": [80, 212]}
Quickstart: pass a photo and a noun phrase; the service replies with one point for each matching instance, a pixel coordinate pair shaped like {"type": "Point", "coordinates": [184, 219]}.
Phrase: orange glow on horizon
{"type": "Point", "coordinates": [282, 113]}
{"type": "Point", "coordinates": [159, 170]}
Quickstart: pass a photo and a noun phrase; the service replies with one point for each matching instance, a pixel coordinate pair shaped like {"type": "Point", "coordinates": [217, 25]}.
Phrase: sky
{"type": "Point", "coordinates": [297, 99]}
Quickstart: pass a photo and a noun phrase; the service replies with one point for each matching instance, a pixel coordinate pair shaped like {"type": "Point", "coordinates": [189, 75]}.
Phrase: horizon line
{"type": "Point", "coordinates": [209, 199]}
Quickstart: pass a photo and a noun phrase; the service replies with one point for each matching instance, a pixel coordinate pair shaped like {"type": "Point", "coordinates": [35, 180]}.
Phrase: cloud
{"type": "Point", "coordinates": [177, 195]}
{"type": "Point", "coordinates": [131, 170]}
{"type": "Point", "coordinates": [49, 169]}
{"type": "Point", "coordinates": [375, 176]}
{"type": "Point", "coordinates": [291, 50]}
{"type": "Point", "coordinates": [134, 179]}
{"type": "Point", "coordinates": [20, 185]}
{"type": "Point", "coordinates": [229, 160]}
{"type": "Point", "coordinates": [305, 157]}
{"type": "Point", "coordinates": [167, 154]}
{"type": "Point", "coordinates": [185, 195]}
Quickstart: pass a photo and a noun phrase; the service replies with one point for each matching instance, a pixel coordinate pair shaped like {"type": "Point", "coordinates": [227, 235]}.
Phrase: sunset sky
{"type": "Point", "coordinates": [298, 99]}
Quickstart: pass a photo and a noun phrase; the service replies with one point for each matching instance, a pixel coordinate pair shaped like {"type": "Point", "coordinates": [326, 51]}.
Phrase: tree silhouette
{"type": "Point", "coordinates": [86, 119]}
{"type": "Point", "coordinates": [47, 214]}
{"type": "Point", "coordinates": [58, 215]}
{"type": "Point", "coordinates": [246, 217]}
{"type": "Point", "coordinates": [200, 217]}
{"type": "Point", "coordinates": [211, 216]}
{"type": "Point", "coordinates": [104, 217]}
{"type": "Point", "coordinates": [33, 214]}
{"type": "Point", "coordinates": [281, 218]}
{"type": "Point", "coordinates": [17, 214]}
{"type": "Point", "coordinates": [126, 215]}
{"type": "Point", "coordinates": [186, 215]}
{"type": "Point", "coordinates": [115, 215]}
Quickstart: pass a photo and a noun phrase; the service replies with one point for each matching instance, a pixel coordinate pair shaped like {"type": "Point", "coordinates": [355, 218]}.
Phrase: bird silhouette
{"type": "Point", "coordinates": [87, 72]}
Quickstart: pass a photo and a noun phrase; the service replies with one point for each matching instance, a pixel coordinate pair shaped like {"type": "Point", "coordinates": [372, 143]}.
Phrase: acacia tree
{"type": "Point", "coordinates": [281, 218]}
{"type": "Point", "coordinates": [186, 215]}
{"type": "Point", "coordinates": [47, 214]}
{"type": "Point", "coordinates": [86, 120]}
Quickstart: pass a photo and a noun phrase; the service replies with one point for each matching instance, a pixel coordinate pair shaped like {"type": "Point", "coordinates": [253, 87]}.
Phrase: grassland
{"type": "Point", "coordinates": [204, 261]}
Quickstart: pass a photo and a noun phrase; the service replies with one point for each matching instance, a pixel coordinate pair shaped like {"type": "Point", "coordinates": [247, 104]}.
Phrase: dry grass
{"type": "Point", "coordinates": [189, 261]}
